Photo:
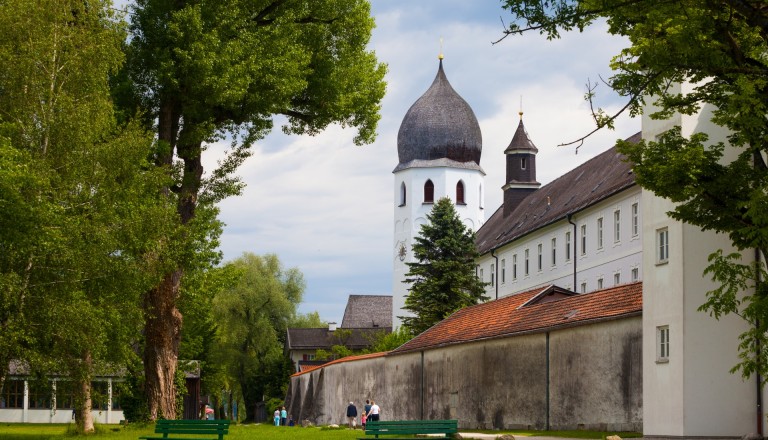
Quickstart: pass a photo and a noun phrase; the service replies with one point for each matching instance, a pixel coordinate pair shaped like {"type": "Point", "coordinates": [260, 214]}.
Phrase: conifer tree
{"type": "Point", "coordinates": [443, 278]}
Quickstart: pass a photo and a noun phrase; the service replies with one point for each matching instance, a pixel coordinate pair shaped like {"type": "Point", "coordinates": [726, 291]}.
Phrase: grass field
{"type": "Point", "coordinates": [240, 432]}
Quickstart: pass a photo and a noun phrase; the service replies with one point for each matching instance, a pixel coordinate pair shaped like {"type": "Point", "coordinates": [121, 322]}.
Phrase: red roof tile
{"type": "Point", "coordinates": [508, 316]}
{"type": "Point", "coordinates": [342, 360]}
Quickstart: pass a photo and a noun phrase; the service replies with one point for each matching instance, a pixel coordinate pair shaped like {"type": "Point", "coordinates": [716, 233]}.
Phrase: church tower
{"type": "Point", "coordinates": [438, 146]}
{"type": "Point", "coordinates": [521, 169]}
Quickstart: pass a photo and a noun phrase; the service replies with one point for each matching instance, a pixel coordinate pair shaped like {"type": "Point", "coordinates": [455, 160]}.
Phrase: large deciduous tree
{"type": "Point", "coordinates": [720, 48]}
{"type": "Point", "coordinates": [77, 196]}
{"type": "Point", "coordinates": [211, 69]}
{"type": "Point", "coordinates": [443, 279]}
{"type": "Point", "coordinates": [252, 316]}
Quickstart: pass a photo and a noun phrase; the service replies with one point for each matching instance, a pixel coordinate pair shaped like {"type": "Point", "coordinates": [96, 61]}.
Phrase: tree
{"type": "Point", "coordinates": [443, 278]}
{"type": "Point", "coordinates": [77, 194]}
{"type": "Point", "coordinates": [207, 70]}
{"type": "Point", "coordinates": [252, 317]}
{"type": "Point", "coordinates": [719, 48]}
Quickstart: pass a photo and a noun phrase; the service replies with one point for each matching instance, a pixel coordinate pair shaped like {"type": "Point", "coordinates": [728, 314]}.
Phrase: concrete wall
{"type": "Point", "coordinates": [592, 378]}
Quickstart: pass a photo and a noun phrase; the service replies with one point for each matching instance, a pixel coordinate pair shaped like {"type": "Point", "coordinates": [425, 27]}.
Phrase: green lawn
{"type": "Point", "coordinates": [240, 432]}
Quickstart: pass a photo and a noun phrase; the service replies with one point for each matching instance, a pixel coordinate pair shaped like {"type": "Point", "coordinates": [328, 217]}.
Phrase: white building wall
{"type": "Point", "coordinates": [692, 393]}
{"type": "Point", "coordinates": [614, 257]}
{"type": "Point", "coordinates": [410, 216]}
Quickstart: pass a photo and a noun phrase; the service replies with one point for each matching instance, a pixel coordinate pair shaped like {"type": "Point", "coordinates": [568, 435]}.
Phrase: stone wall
{"type": "Point", "coordinates": [589, 376]}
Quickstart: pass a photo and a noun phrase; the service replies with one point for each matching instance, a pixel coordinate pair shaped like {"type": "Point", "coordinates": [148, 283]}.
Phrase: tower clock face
{"type": "Point", "coordinates": [401, 252]}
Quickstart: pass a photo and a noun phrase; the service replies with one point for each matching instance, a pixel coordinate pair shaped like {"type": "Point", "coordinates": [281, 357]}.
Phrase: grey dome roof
{"type": "Point", "coordinates": [439, 125]}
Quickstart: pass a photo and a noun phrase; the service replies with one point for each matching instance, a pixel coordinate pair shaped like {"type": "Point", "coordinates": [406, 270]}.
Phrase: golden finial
{"type": "Point", "coordinates": [521, 108]}
{"type": "Point", "coordinates": [440, 56]}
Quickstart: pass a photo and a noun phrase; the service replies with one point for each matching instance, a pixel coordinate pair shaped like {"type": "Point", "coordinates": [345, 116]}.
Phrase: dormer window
{"type": "Point", "coordinates": [429, 192]}
{"type": "Point", "coordinates": [460, 193]}
{"type": "Point", "coordinates": [402, 194]}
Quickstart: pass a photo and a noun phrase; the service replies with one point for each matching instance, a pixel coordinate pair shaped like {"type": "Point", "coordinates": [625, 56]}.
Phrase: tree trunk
{"type": "Point", "coordinates": [161, 351]}
{"type": "Point", "coordinates": [84, 418]}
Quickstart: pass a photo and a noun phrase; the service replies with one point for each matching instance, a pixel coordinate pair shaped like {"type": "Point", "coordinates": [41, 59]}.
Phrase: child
{"type": "Point", "coordinates": [363, 418]}
{"type": "Point", "coordinates": [277, 417]}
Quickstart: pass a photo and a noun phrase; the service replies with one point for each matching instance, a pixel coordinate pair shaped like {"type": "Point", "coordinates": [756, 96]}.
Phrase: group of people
{"type": "Point", "coordinates": [371, 412]}
{"type": "Point", "coordinates": [281, 417]}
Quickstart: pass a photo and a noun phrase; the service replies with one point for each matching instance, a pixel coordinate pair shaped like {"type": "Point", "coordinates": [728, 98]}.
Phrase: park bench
{"type": "Point", "coordinates": [411, 427]}
{"type": "Point", "coordinates": [169, 429]}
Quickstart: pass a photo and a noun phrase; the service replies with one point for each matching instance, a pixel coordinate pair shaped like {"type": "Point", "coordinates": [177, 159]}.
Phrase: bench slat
{"type": "Point", "coordinates": [402, 427]}
{"type": "Point", "coordinates": [171, 428]}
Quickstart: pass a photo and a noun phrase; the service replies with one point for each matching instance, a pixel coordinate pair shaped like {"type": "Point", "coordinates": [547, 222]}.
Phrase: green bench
{"type": "Point", "coordinates": [212, 429]}
{"type": "Point", "coordinates": [411, 427]}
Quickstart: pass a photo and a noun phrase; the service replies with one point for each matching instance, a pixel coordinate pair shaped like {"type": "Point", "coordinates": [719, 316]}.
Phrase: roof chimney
{"type": "Point", "coordinates": [331, 326]}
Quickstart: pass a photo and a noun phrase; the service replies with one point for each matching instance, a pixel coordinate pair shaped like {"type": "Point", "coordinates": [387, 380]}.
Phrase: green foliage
{"type": "Point", "coordinates": [252, 317]}
{"type": "Point", "coordinates": [309, 320]}
{"type": "Point", "coordinates": [390, 341]}
{"type": "Point", "coordinates": [717, 49]}
{"type": "Point", "coordinates": [132, 398]}
{"type": "Point", "coordinates": [443, 279]}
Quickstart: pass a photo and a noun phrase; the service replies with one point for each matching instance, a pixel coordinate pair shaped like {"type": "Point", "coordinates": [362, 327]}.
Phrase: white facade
{"type": "Point", "coordinates": [688, 390]}
{"type": "Point", "coordinates": [410, 212]}
{"type": "Point", "coordinates": [20, 408]}
{"type": "Point", "coordinates": [613, 255]}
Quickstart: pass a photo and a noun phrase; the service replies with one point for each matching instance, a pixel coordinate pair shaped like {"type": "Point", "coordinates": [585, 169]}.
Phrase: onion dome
{"type": "Point", "coordinates": [440, 126]}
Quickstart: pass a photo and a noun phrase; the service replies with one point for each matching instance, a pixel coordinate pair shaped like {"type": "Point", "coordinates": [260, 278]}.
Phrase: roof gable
{"type": "Point", "coordinates": [368, 311]}
{"type": "Point", "coordinates": [518, 314]}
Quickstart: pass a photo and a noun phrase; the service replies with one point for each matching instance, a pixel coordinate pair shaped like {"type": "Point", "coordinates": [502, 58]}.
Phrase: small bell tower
{"type": "Point", "coordinates": [521, 169]}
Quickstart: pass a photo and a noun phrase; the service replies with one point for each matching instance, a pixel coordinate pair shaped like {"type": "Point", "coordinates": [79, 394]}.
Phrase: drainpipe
{"type": "Point", "coordinates": [575, 240]}
{"type": "Point", "coordinates": [498, 269]}
{"type": "Point", "coordinates": [758, 378]}
{"type": "Point", "coordinates": [547, 368]}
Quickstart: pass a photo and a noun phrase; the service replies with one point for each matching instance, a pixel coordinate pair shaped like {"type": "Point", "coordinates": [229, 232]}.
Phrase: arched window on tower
{"type": "Point", "coordinates": [460, 193]}
{"type": "Point", "coordinates": [429, 192]}
{"type": "Point", "coordinates": [402, 194]}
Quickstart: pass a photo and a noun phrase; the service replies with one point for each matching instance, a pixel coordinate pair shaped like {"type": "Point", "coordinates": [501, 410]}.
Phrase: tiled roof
{"type": "Point", "coordinates": [322, 338]}
{"type": "Point", "coordinates": [342, 360]}
{"type": "Point", "coordinates": [510, 315]}
{"type": "Point", "coordinates": [368, 311]}
{"type": "Point", "coordinates": [595, 180]}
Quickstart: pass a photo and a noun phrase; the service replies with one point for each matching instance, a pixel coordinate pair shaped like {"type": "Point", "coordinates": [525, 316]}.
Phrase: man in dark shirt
{"type": "Point", "coordinates": [352, 415]}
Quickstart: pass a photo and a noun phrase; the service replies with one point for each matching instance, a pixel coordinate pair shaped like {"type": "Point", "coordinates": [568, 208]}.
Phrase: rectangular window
{"type": "Point", "coordinates": [568, 246]}
{"type": "Point", "coordinates": [554, 251]}
{"type": "Point", "coordinates": [583, 287]}
{"type": "Point", "coordinates": [635, 220]}
{"type": "Point", "coordinates": [540, 250]}
{"type": "Point", "coordinates": [503, 271]}
{"type": "Point", "coordinates": [662, 343]}
{"type": "Point", "coordinates": [514, 267]}
{"type": "Point", "coordinates": [616, 226]}
{"type": "Point", "coordinates": [65, 394]}
{"type": "Point", "coordinates": [600, 233]}
{"type": "Point", "coordinates": [583, 239]}
{"type": "Point", "coordinates": [12, 394]}
{"type": "Point", "coordinates": [635, 274]}
{"type": "Point", "coordinates": [526, 262]}
{"type": "Point", "coordinates": [662, 245]}
{"type": "Point", "coordinates": [616, 279]}
{"type": "Point", "coordinates": [493, 275]}
{"type": "Point", "coordinates": [40, 393]}
{"type": "Point", "coordinates": [481, 275]}
{"type": "Point", "coordinates": [599, 283]}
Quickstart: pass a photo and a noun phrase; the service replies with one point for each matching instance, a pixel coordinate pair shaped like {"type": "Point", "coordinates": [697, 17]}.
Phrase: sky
{"type": "Point", "coordinates": [326, 206]}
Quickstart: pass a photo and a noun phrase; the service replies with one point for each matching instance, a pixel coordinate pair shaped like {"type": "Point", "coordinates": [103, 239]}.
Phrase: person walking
{"type": "Point", "coordinates": [373, 414]}
{"type": "Point", "coordinates": [352, 415]}
{"type": "Point", "coordinates": [367, 407]}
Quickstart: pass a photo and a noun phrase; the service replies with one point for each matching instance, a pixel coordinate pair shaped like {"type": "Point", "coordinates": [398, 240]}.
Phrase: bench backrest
{"type": "Point", "coordinates": [392, 427]}
{"type": "Point", "coordinates": [198, 427]}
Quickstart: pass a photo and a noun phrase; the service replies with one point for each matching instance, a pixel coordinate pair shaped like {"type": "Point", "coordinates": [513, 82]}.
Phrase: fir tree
{"type": "Point", "coordinates": [443, 278]}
